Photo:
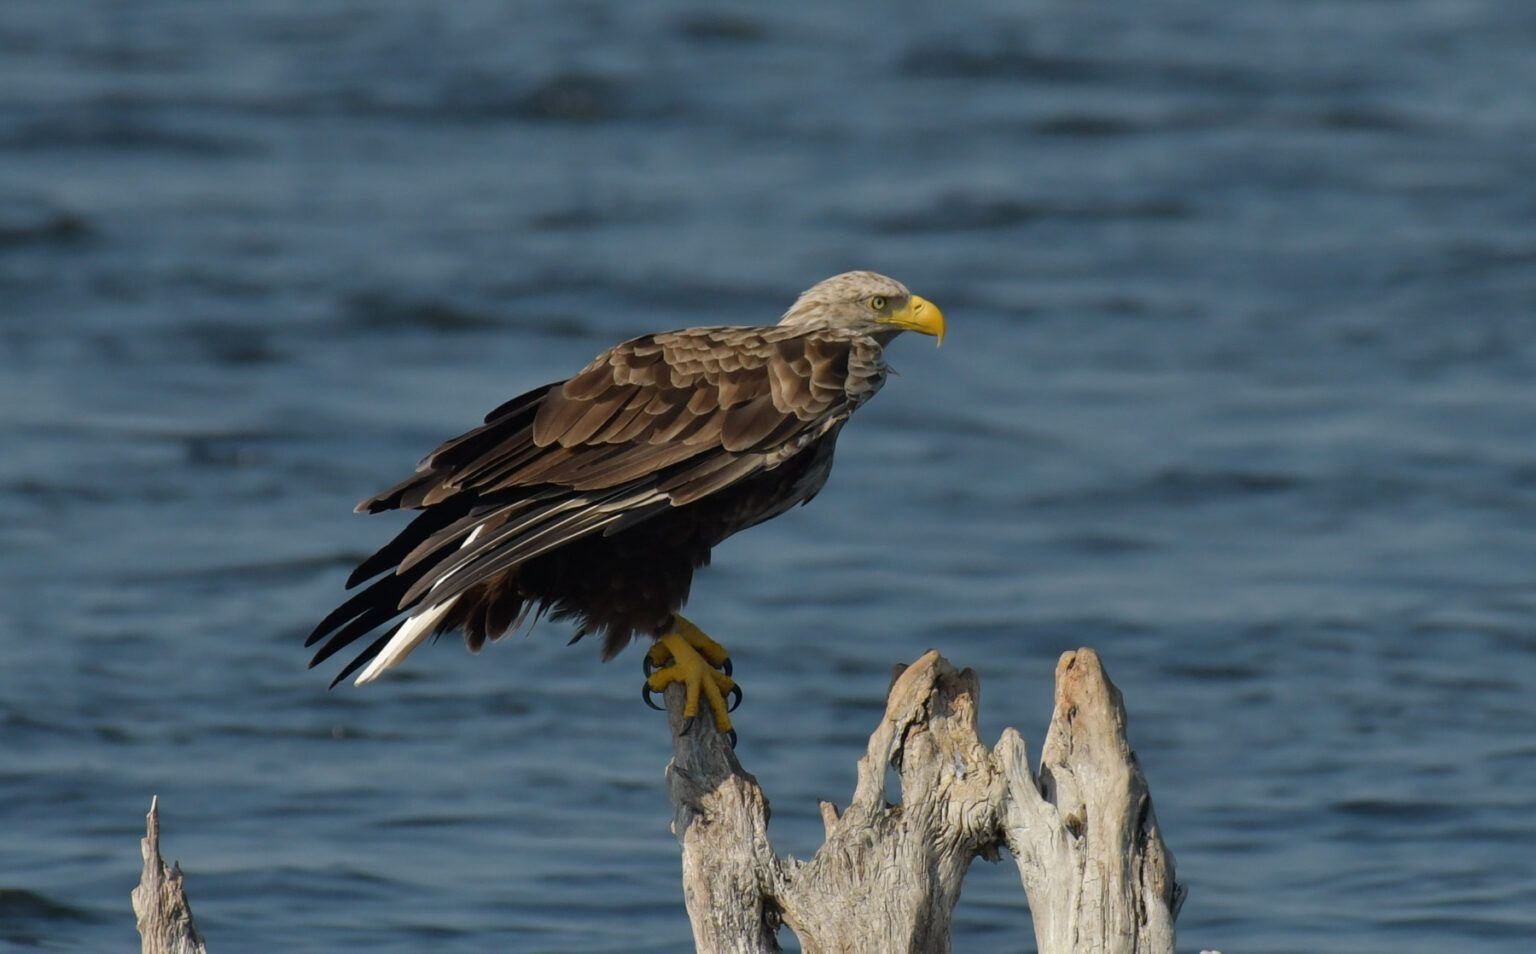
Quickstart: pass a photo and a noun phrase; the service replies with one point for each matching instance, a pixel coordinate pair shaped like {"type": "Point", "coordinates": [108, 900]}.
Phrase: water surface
{"type": "Point", "coordinates": [1238, 390]}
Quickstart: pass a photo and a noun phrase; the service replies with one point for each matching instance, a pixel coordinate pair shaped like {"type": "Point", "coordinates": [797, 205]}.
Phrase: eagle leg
{"type": "Point", "coordinates": [686, 655]}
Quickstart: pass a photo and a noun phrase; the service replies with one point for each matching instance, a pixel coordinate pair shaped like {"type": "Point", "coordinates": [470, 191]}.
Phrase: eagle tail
{"type": "Point", "coordinates": [416, 628]}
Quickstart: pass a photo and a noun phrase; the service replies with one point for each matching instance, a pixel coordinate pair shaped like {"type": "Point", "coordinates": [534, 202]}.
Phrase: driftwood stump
{"type": "Point", "coordinates": [160, 900]}
{"type": "Point", "coordinates": [1091, 859]}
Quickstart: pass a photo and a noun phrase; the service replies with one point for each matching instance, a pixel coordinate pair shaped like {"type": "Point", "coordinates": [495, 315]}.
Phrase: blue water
{"type": "Point", "coordinates": [1240, 389]}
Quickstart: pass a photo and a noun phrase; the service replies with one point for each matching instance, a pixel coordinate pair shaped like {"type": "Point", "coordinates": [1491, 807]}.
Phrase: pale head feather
{"type": "Point", "coordinates": [844, 300]}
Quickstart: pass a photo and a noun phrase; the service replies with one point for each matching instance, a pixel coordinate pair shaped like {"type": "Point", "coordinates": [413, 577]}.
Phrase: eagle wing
{"type": "Point", "coordinates": [657, 422]}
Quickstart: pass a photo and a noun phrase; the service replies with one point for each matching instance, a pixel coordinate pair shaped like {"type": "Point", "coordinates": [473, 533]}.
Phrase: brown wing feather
{"type": "Point", "coordinates": [648, 405]}
{"type": "Point", "coordinates": [649, 395]}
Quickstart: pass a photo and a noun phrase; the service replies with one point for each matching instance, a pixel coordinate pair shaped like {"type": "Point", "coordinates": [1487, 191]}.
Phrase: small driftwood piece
{"type": "Point", "coordinates": [1091, 859]}
{"type": "Point", "coordinates": [160, 901]}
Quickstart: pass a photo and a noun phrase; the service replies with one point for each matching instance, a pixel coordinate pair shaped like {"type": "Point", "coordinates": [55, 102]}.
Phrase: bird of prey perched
{"type": "Point", "coordinates": [595, 498]}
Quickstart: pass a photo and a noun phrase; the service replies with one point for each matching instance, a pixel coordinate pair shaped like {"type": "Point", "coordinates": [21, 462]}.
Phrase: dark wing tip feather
{"type": "Point", "coordinates": [426, 525]}
{"type": "Point", "coordinates": [349, 634]}
{"type": "Point", "coordinates": [434, 476]}
{"type": "Point", "coordinates": [363, 611]}
{"type": "Point", "coordinates": [374, 648]}
{"type": "Point", "coordinates": [355, 605]}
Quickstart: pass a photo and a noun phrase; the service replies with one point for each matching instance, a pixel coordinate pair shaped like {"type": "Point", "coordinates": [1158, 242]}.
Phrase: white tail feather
{"type": "Point", "coordinates": [410, 634]}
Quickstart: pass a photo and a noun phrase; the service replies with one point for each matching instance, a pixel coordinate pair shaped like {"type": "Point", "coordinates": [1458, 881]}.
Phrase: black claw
{"type": "Point", "coordinates": [736, 693]}
{"type": "Point", "coordinates": [646, 692]}
{"type": "Point", "coordinates": [647, 665]}
{"type": "Point", "coordinates": [726, 666]}
{"type": "Point", "coordinates": [730, 735]}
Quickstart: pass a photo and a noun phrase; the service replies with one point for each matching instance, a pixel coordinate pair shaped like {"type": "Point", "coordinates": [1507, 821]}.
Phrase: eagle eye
{"type": "Point", "coordinates": [877, 303]}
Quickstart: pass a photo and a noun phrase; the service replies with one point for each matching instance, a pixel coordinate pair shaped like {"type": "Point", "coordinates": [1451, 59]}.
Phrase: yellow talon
{"type": "Point", "coordinates": [690, 657]}
{"type": "Point", "coordinates": [708, 648]}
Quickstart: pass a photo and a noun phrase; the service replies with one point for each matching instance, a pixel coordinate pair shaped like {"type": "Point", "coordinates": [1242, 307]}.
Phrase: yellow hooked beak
{"type": "Point", "coordinates": [920, 315]}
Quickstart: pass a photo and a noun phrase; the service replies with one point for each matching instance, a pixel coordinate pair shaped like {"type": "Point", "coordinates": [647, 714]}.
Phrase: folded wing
{"type": "Point", "coordinates": [651, 425]}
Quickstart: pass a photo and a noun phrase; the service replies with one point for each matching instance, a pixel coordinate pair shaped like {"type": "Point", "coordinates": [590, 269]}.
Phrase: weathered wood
{"type": "Point", "coordinates": [1091, 858]}
{"type": "Point", "coordinates": [160, 901]}
{"type": "Point", "coordinates": [720, 815]}
{"type": "Point", "coordinates": [887, 879]}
